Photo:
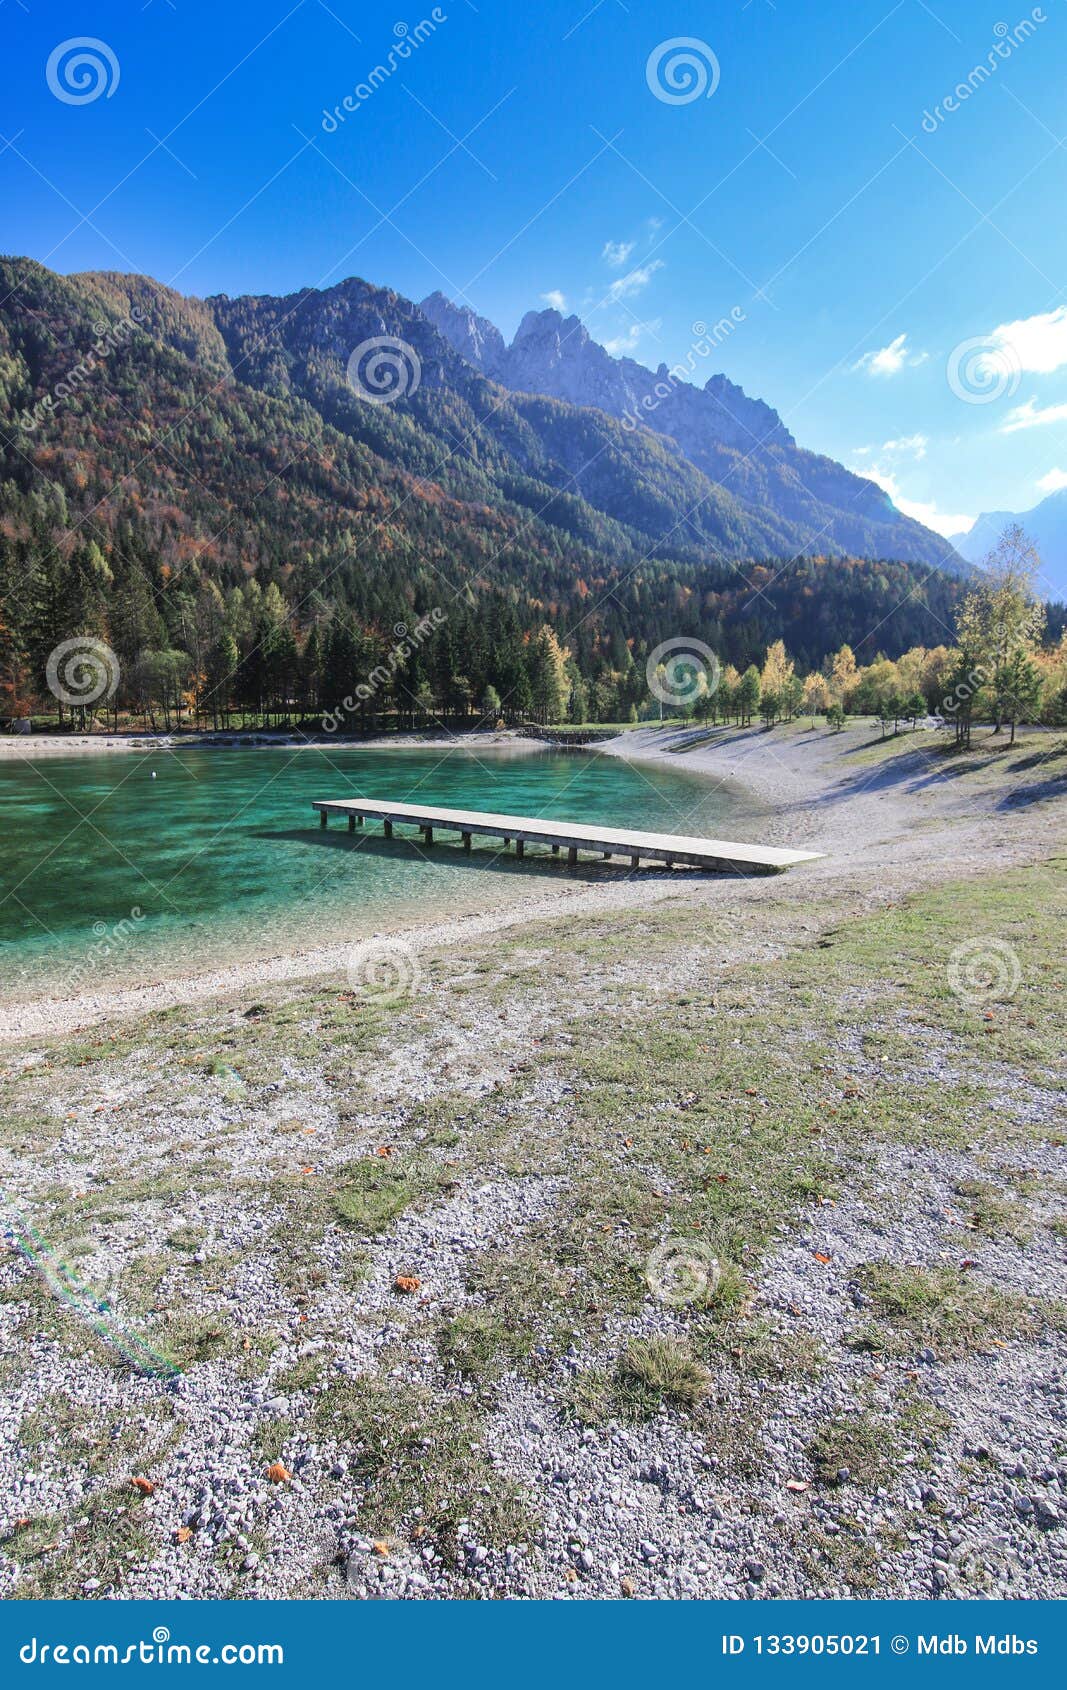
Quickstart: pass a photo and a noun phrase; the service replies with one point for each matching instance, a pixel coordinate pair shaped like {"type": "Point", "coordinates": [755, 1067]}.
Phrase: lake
{"type": "Point", "coordinates": [124, 868]}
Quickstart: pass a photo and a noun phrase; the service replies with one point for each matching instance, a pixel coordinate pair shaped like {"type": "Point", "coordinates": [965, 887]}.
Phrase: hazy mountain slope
{"type": "Point", "coordinates": [461, 429]}
{"type": "Point", "coordinates": [739, 443]}
{"type": "Point", "coordinates": [1046, 526]}
{"type": "Point", "coordinates": [154, 449]}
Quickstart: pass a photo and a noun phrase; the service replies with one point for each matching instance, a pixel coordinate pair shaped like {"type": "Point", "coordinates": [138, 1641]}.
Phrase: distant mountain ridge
{"type": "Point", "coordinates": [739, 443]}
{"type": "Point", "coordinates": [1045, 525]}
{"type": "Point", "coordinates": [157, 450]}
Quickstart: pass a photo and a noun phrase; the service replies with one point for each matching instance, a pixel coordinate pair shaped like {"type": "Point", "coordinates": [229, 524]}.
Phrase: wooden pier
{"type": "Point", "coordinates": [601, 839]}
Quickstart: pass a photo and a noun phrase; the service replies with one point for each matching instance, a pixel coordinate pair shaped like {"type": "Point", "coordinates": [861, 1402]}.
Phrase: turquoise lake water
{"type": "Point", "coordinates": [109, 876]}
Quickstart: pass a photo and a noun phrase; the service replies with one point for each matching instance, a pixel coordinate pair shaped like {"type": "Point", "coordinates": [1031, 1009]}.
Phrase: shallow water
{"type": "Point", "coordinates": [122, 869]}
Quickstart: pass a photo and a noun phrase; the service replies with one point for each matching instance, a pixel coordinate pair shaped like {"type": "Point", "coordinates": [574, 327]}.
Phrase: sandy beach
{"type": "Point", "coordinates": [33, 746]}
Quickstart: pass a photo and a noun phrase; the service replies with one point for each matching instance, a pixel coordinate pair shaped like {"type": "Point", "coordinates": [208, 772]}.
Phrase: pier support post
{"type": "Point", "coordinates": [466, 841]}
{"type": "Point", "coordinates": [607, 856]}
{"type": "Point", "coordinates": [388, 826]}
{"type": "Point", "coordinates": [572, 856]}
{"type": "Point", "coordinates": [520, 847]}
{"type": "Point", "coordinates": [555, 850]}
{"type": "Point", "coordinates": [635, 862]}
{"type": "Point", "coordinates": [427, 835]}
{"type": "Point", "coordinates": [351, 824]}
{"type": "Point", "coordinates": [322, 818]}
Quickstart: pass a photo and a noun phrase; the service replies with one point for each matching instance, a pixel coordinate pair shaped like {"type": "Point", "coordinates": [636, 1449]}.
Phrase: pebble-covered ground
{"type": "Point", "coordinates": [711, 1245]}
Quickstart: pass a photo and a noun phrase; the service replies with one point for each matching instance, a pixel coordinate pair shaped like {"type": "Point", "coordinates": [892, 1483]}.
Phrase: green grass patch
{"type": "Point", "coordinates": [375, 1190]}
{"type": "Point", "coordinates": [853, 1449]}
{"type": "Point", "coordinates": [943, 1309]}
{"type": "Point", "coordinates": [480, 1345]}
{"type": "Point", "coordinates": [422, 1467]}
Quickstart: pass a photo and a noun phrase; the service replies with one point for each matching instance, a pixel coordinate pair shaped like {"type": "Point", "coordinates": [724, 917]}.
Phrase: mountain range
{"type": "Point", "coordinates": [177, 442]}
{"type": "Point", "coordinates": [740, 444]}
{"type": "Point", "coordinates": [1045, 524]}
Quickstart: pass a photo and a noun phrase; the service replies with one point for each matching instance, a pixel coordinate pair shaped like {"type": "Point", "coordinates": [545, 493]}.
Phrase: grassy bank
{"type": "Point", "coordinates": [269, 1195]}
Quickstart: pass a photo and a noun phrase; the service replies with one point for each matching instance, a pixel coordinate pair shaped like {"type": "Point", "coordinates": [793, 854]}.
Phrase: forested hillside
{"type": "Point", "coordinates": [198, 486]}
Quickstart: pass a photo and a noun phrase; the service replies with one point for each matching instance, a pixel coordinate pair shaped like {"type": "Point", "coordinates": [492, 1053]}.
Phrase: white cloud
{"type": "Point", "coordinates": [555, 298]}
{"type": "Point", "coordinates": [1054, 481]}
{"type": "Point", "coordinates": [914, 444]}
{"type": "Point", "coordinates": [1032, 415]}
{"type": "Point", "coordinates": [924, 511]}
{"type": "Point", "coordinates": [629, 341]}
{"type": "Point", "coordinates": [616, 253]}
{"type": "Point", "coordinates": [634, 281]}
{"type": "Point", "coordinates": [1037, 344]}
{"type": "Point", "coordinates": [890, 360]}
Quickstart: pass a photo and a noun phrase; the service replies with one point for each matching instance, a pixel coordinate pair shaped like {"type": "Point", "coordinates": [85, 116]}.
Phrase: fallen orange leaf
{"type": "Point", "coordinates": [145, 1486]}
{"type": "Point", "coordinates": [381, 1549]}
{"type": "Point", "coordinates": [819, 1257]}
{"type": "Point", "coordinates": [407, 1283]}
{"type": "Point", "coordinates": [183, 1534]}
{"type": "Point", "coordinates": [278, 1473]}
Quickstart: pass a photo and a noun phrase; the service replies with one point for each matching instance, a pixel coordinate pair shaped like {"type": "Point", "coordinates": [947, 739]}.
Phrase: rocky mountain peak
{"type": "Point", "coordinates": [474, 338]}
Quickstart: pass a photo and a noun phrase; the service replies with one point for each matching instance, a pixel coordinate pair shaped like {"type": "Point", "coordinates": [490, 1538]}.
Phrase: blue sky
{"type": "Point", "coordinates": [899, 256]}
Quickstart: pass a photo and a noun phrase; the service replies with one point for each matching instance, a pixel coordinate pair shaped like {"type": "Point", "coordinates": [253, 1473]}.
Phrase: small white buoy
{"type": "Point", "coordinates": [153, 774]}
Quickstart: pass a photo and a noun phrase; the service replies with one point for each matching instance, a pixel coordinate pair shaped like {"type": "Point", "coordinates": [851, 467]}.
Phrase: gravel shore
{"type": "Point", "coordinates": [393, 1257]}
